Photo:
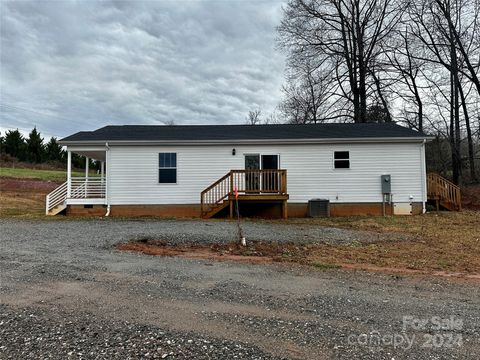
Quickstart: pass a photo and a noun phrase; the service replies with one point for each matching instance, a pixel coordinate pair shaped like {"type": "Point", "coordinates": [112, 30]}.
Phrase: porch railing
{"type": "Point", "coordinates": [87, 188]}
{"type": "Point", "coordinates": [259, 181]}
{"type": "Point", "coordinates": [246, 182]}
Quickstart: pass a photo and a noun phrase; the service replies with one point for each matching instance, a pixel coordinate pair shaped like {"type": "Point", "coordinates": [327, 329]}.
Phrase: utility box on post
{"type": "Point", "coordinates": [386, 184]}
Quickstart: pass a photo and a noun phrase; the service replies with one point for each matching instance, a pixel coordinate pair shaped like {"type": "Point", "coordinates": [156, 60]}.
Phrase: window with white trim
{"type": "Point", "coordinates": [341, 159]}
{"type": "Point", "coordinates": [167, 168]}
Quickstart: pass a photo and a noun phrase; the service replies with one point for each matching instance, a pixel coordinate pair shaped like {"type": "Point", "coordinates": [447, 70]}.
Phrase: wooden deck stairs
{"type": "Point", "coordinates": [444, 193]}
{"type": "Point", "coordinates": [249, 185]}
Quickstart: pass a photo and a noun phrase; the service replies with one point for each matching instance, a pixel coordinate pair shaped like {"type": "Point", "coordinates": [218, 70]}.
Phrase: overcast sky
{"type": "Point", "coordinates": [68, 66]}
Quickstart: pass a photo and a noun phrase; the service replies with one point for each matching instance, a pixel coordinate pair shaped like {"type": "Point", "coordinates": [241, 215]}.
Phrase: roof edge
{"type": "Point", "coordinates": [250, 141]}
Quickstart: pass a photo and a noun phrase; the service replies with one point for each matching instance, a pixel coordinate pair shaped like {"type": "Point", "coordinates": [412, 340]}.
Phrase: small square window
{"type": "Point", "coordinates": [341, 159]}
{"type": "Point", "coordinates": [167, 164]}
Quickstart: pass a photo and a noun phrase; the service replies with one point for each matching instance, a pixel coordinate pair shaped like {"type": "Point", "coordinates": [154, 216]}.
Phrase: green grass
{"type": "Point", "coordinates": [323, 266]}
{"type": "Point", "coordinates": [45, 175]}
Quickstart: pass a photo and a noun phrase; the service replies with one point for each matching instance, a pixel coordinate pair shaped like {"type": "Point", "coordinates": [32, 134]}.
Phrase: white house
{"type": "Point", "coordinates": [275, 169]}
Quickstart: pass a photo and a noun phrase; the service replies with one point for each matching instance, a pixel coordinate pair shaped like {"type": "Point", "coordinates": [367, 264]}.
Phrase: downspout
{"type": "Point", "coordinates": [424, 172]}
{"type": "Point", "coordinates": [107, 164]}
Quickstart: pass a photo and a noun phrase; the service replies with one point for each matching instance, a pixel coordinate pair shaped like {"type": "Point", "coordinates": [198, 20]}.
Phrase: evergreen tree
{"type": "Point", "coordinates": [53, 151]}
{"type": "Point", "coordinates": [15, 144]}
{"type": "Point", "coordinates": [2, 144]}
{"type": "Point", "coordinates": [35, 147]}
{"type": "Point", "coordinates": [78, 162]}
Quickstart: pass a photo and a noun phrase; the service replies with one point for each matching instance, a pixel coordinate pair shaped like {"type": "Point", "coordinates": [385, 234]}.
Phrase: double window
{"type": "Point", "coordinates": [167, 168]}
{"type": "Point", "coordinates": [341, 159]}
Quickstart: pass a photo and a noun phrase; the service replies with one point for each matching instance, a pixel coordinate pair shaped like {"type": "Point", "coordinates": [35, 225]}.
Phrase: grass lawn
{"type": "Point", "coordinates": [45, 175]}
{"type": "Point", "coordinates": [439, 242]}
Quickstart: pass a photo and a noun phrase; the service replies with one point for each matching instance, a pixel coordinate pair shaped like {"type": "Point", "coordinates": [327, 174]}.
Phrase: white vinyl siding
{"type": "Point", "coordinates": [133, 172]}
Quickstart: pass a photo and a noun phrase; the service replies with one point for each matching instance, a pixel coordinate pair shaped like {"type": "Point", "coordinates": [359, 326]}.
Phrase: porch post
{"type": "Point", "coordinates": [86, 167]}
{"type": "Point", "coordinates": [87, 163]}
{"type": "Point", "coordinates": [102, 174]}
{"type": "Point", "coordinates": [69, 174]}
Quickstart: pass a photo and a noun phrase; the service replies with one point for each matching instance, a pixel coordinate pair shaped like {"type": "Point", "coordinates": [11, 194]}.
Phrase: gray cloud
{"type": "Point", "coordinates": [69, 66]}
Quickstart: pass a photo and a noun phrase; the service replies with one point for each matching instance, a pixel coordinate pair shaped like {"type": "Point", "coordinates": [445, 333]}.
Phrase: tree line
{"type": "Point", "coordinates": [33, 149]}
{"type": "Point", "coordinates": [410, 61]}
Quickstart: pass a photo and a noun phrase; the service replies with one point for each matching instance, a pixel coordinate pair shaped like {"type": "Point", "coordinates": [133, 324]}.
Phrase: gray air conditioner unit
{"type": "Point", "coordinates": [319, 208]}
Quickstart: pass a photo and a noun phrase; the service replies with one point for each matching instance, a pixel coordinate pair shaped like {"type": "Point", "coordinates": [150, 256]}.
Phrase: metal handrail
{"type": "Point", "coordinates": [80, 188]}
{"type": "Point", "coordinates": [56, 197]}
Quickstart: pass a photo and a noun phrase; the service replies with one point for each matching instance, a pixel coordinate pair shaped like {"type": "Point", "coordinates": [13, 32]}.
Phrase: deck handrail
{"type": "Point", "coordinates": [56, 197]}
{"type": "Point", "coordinates": [442, 189]}
{"type": "Point", "coordinates": [261, 181]}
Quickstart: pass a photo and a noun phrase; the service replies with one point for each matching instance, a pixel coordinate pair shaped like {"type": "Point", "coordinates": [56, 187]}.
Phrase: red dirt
{"type": "Point", "coordinates": [269, 252]}
{"type": "Point", "coordinates": [196, 252]}
{"type": "Point", "coordinates": [13, 184]}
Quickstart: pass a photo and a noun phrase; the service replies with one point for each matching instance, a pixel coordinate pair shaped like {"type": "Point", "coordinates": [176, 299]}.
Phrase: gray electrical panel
{"type": "Point", "coordinates": [386, 184]}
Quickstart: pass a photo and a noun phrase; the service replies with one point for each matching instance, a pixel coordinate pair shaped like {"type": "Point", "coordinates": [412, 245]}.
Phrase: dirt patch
{"type": "Point", "coordinates": [254, 252]}
{"type": "Point", "coordinates": [320, 256]}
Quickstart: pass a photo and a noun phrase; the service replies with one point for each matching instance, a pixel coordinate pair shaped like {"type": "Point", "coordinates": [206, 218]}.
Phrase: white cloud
{"type": "Point", "coordinates": [82, 65]}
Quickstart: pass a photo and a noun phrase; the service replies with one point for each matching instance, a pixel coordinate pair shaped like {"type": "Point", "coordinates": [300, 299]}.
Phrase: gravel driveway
{"type": "Point", "coordinates": [65, 292]}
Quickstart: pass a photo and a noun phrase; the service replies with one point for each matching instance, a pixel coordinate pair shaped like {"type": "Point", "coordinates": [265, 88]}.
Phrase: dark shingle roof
{"type": "Point", "coordinates": [243, 132]}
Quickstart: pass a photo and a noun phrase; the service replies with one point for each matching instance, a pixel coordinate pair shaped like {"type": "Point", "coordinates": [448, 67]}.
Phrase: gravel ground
{"type": "Point", "coordinates": [65, 292]}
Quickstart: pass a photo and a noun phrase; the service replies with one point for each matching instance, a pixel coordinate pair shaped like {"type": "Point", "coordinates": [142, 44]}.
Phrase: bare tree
{"type": "Point", "coordinates": [253, 117]}
{"type": "Point", "coordinates": [308, 96]}
{"type": "Point", "coordinates": [471, 151]}
{"type": "Point", "coordinates": [344, 33]}
{"type": "Point", "coordinates": [464, 33]}
{"type": "Point", "coordinates": [408, 71]}
{"type": "Point", "coordinates": [440, 27]}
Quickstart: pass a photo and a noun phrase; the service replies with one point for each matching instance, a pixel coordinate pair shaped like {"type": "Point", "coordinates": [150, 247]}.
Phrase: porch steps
{"type": "Point", "coordinates": [444, 193]}
{"type": "Point", "coordinates": [215, 209]}
{"type": "Point", "coordinates": [57, 209]}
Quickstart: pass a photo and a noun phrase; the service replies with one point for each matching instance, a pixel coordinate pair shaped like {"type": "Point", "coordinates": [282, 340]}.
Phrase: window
{"type": "Point", "coordinates": [167, 172]}
{"type": "Point", "coordinates": [341, 159]}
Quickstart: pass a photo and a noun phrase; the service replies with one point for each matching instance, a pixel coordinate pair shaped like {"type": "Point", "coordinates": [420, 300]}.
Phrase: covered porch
{"type": "Point", "coordinates": [90, 189]}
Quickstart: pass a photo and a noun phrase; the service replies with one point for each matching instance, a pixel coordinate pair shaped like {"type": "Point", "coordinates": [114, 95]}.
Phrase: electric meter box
{"type": "Point", "coordinates": [386, 184]}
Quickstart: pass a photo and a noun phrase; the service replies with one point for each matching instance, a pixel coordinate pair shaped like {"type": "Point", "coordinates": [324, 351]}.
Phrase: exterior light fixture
{"type": "Point", "coordinates": [233, 151]}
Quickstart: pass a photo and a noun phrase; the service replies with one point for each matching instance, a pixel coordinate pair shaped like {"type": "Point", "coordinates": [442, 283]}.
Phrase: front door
{"type": "Point", "coordinates": [252, 178]}
{"type": "Point", "coordinates": [270, 178]}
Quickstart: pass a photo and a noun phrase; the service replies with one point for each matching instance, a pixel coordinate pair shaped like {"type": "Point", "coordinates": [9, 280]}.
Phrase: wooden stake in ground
{"type": "Point", "coordinates": [241, 237]}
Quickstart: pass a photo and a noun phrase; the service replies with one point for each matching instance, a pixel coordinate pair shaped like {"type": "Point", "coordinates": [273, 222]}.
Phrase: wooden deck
{"type": "Point", "coordinates": [267, 186]}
